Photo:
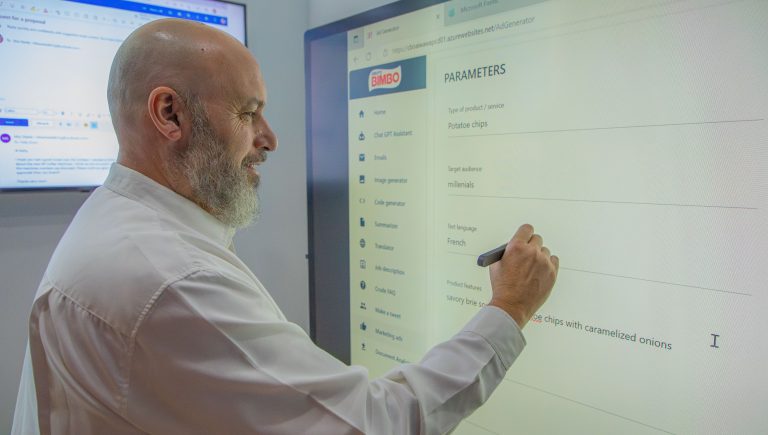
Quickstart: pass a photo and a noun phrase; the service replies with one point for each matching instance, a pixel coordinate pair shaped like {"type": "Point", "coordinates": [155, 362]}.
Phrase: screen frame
{"type": "Point", "coordinates": [338, 321]}
{"type": "Point", "coordinates": [91, 188]}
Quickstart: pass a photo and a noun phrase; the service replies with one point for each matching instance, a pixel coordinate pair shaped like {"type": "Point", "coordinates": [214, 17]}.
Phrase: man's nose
{"type": "Point", "coordinates": [265, 137]}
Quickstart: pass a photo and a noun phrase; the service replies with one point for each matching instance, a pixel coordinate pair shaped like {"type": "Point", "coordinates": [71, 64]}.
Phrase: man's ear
{"type": "Point", "coordinates": [165, 107]}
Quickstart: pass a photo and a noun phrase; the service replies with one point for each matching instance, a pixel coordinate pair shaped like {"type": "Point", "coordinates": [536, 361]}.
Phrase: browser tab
{"type": "Point", "coordinates": [459, 11]}
{"type": "Point", "coordinates": [356, 39]}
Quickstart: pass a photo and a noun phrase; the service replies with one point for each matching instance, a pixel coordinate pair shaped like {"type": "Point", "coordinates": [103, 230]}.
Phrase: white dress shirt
{"type": "Point", "coordinates": [147, 322]}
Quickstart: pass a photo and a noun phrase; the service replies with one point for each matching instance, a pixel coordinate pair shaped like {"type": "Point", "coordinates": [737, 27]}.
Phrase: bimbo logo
{"type": "Point", "coordinates": [384, 78]}
{"type": "Point", "coordinates": [404, 75]}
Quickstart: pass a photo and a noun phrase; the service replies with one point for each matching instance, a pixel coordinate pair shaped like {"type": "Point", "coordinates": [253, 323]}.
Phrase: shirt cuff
{"type": "Point", "coordinates": [500, 330]}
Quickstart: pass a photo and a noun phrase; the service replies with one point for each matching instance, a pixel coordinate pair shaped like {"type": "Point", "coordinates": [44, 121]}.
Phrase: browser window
{"type": "Point", "coordinates": [637, 153]}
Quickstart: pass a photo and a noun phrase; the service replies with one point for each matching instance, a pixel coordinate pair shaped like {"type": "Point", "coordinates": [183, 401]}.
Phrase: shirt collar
{"type": "Point", "coordinates": [137, 186]}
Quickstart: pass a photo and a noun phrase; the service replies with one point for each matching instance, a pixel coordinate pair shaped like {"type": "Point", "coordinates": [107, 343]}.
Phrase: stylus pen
{"type": "Point", "coordinates": [491, 256]}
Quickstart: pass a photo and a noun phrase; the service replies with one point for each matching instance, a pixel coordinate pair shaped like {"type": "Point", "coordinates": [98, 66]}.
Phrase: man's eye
{"type": "Point", "coordinates": [250, 115]}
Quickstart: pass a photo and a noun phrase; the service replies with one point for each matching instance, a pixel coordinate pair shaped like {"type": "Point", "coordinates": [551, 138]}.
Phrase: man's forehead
{"type": "Point", "coordinates": [246, 88]}
{"type": "Point", "coordinates": [254, 90]}
{"type": "Point", "coordinates": [250, 96]}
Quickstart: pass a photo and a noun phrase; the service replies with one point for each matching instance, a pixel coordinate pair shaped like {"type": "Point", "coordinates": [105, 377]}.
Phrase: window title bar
{"type": "Point", "coordinates": [156, 10]}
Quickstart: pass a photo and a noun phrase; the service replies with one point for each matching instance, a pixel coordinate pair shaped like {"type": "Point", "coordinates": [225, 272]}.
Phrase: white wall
{"type": "Point", "coordinates": [275, 248]}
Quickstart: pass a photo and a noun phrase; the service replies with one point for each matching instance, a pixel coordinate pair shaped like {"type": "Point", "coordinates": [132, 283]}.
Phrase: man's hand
{"type": "Point", "coordinates": [524, 277]}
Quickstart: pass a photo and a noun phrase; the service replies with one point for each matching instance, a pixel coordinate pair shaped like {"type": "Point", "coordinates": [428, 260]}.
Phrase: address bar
{"type": "Point", "coordinates": [471, 33]}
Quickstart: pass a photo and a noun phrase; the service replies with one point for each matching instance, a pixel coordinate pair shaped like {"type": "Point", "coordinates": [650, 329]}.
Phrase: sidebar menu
{"type": "Point", "coordinates": [387, 187]}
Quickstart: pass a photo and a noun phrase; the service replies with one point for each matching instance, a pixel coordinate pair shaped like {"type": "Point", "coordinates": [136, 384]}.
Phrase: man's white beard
{"type": "Point", "coordinates": [216, 179]}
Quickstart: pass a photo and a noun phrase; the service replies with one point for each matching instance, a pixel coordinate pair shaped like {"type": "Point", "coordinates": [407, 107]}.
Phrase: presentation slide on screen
{"type": "Point", "coordinates": [633, 136]}
{"type": "Point", "coordinates": [55, 127]}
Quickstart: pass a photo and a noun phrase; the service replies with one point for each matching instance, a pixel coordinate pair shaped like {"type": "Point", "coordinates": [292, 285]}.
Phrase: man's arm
{"type": "Point", "coordinates": [213, 357]}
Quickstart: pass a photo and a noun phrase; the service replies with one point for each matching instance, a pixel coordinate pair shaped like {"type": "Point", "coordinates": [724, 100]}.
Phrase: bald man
{"type": "Point", "coordinates": [147, 322]}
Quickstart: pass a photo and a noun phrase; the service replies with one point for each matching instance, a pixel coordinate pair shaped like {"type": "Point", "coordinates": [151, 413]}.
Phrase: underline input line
{"type": "Point", "coordinates": [617, 127]}
{"type": "Point", "coordinates": [657, 281]}
{"type": "Point", "coordinates": [588, 406]}
{"type": "Point", "coordinates": [531, 198]}
{"type": "Point", "coordinates": [613, 275]}
{"type": "Point", "coordinates": [468, 421]}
